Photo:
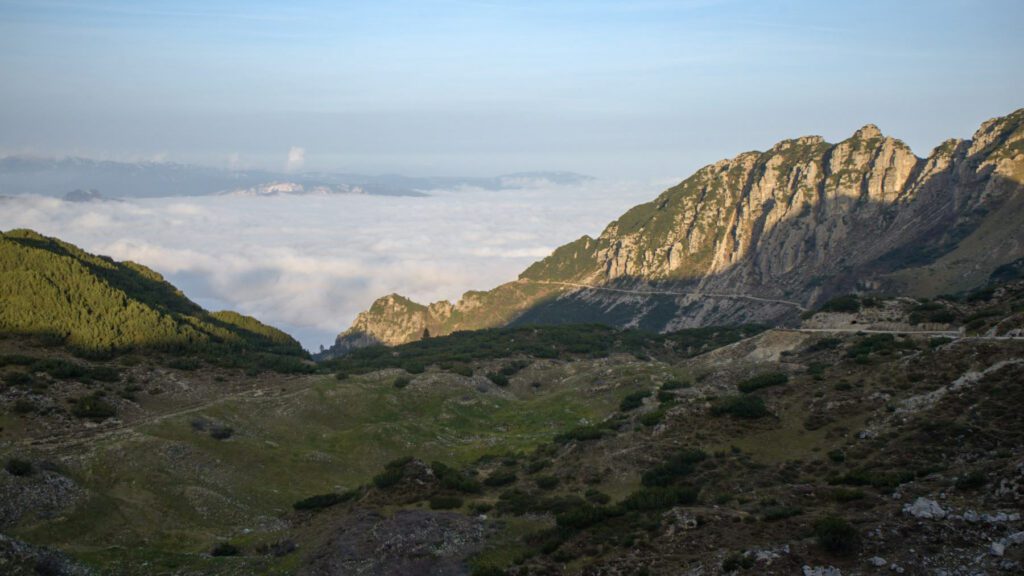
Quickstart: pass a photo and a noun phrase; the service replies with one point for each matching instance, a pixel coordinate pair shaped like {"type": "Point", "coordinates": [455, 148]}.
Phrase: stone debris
{"type": "Point", "coordinates": [822, 571]}
{"type": "Point", "coordinates": [925, 508]}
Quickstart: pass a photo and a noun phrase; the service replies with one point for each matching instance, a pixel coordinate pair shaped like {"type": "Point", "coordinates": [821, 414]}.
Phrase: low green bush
{"type": "Point", "coordinates": [658, 498]}
{"type": "Point", "coordinates": [93, 407]}
{"type": "Point", "coordinates": [546, 482]}
{"type": "Point", "coordinates": [442, 502]}
{"type": "Point", "coordinates": [498, 379]}
{"type": "Point", "coordinates": [745, 406]}
{"type": "Point", "coordinates": [225, 549]}
{"type": "Point", "coordinates": [762, 381]}
{"type": "Point", "coordinates": [321, 501]}
{"type": "Point", "coordinates": [677, 466]}
{"type": "Point", "coordinates": [633, 400]}
{"type": "Point", "coordinates": [501, 477]}
{"type": "Point", "coordinates": [836, 535]}
{"type": "Point", "coordinates": [580, 433]}
{"type": "Point", "coordinates": [19, 467]}
{"type": "Point", "coordinates": [776, 513]}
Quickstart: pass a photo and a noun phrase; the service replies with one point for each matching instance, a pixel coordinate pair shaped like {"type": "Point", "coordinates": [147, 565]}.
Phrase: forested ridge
{"type": "Point", "coordinates": [54, 289]}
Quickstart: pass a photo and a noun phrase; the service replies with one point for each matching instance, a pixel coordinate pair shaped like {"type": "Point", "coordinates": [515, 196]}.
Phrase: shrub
{"type": "Point", "coordinates": [827, 343]}
{"type": "Point", "coordinates": [836, 535]}
{"type": "Point", "coordinates": [18, 379]}
{"type": "Point", "coordinates": [183, 364]}
{"type": "Point", "coordinates": [581, 433]}
{"type": "Point", "coordinates": [488, 571]}
{"type": "Point", "coordinates": [441, 502]}
{"type": "Point", "coordinates": [24, 406]}
{"type": "Point", "coordinates": [277, 549]}
{"type": "Point", "coordinates": [105, 374]}
{"type": "Point", "coordinates": [741, 407]}
{"type": "Point", "coordinates": [462, 369]}
{"type": "Point", "coordinates": [972, 481]}
{"type": "Point", "coordinates": [498, 378]}
{"type": "Point", "coordinates": [652, 418]}
{"type": "Point", "coordinates": [500, 478]}
{"type": "Point", "coordinates": [762, 381]}
{"type": "Point", "coordinates": [847, 494]}
{"type": "Point", "coordinates": [321, 501]}
{"type": "Point", "coordinates": [582, 516]}
{"type": "Point", "coordinates": [16, 360]}
{"type": "Point", "coordinates": [546, 482]}
{"type": "Point", "coordinates": [776, 513]}
{"type": "Point", "coordinates": [224, 549]}
{"type": "Point", "coordinates": [674, 385]}
{"type": "Point", "coordinates": [677, 466]}
{"type": "Point", "coordinates": [658, 498]}
{"type": "Point", "coordinates": [876, 478]}
{"type": "Point", "coordinates": [452, 479]}
{"type": "Point", "coordinates": [837, 455]}
{"type": "Point", "coordinates": [737, 561]}
{"type": "Point", "coordinates": [848, 303]}
{"type": "Point", "coordinates": [61, 369]}
{"type": "Point", "coordinates": [221, 432]}
{"type": "Point", "coordinates": [414, 368]}
{"type": "Point", "coordinates": [393, 473]}
{"type": "Point", "coordinates": [18, 467]}
{"type": "Point", "coordinates": [596, 496]}
{"type": "Point", "coordinates": [93, 407]}
{"type": "Point", "coordinates": [402, 382]}
{"type": "Point", "coordinates": [537, 465]}
{"type": "Point", "coordinates": [633, 400]}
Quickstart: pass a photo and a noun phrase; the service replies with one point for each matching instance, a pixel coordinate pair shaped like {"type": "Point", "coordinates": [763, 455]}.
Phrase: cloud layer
{"type": "Point", "coordinates": [309, 264]}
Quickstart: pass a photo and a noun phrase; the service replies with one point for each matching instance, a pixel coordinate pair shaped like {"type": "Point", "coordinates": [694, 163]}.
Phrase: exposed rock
{"type": "Point", "coordinates": [822, 571]}
{"type": "Point", "coordinates": [18, 558]}
{"type": "Point", "coordinates": [409, 542]}
{"type": "Point", "coordinates": [925, 508]}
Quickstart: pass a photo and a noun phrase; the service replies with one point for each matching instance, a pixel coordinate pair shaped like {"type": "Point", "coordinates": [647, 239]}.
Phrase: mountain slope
{"type": "Point", "coordinates": [53, 288]}
{"type": "Point", "coordinates": [762, 236]}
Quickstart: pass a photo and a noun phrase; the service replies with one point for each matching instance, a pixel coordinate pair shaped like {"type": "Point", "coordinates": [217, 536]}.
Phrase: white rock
{"type": "Point", "coordinates": [1015, 538]}
{"type": "Point", "coordinates": [822, 571]}
{"type": "Point", "coordinates": [877, 561]}
{"type": "Point", "coordinates": [925, 508]}
{"type": "Point", "coordinates": [997, 549]}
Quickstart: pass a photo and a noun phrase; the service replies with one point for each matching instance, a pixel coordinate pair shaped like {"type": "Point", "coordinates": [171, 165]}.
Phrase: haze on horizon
{"type": "Point", "coordinates": [645, 89]}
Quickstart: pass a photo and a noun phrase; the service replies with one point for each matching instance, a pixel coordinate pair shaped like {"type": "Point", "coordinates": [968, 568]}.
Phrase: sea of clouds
{"type": "Point", "coordinates": [309, 264]}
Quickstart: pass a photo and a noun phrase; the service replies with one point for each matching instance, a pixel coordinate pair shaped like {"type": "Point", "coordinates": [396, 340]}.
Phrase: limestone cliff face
{"type": "Point", "coordinates": [795, 224]}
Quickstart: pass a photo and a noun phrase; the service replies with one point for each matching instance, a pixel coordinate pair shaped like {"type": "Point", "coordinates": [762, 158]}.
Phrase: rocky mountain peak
{"type": "Point", "coordinates": [868, 132]}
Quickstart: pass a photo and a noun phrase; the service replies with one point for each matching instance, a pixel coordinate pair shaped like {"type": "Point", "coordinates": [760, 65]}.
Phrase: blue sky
{"type": "Point", "coordinates": [626, 89]}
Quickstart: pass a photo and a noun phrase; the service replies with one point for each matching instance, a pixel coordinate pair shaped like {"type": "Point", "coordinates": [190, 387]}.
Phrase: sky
{"type": "Point", "coordinates": [639, 89]}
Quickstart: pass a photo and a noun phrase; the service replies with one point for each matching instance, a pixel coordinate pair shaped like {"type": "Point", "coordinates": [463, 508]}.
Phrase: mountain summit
{"type": "Point", "coordinates": [762, 237]}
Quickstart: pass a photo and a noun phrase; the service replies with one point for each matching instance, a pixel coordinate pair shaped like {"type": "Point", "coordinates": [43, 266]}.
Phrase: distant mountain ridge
{"type": "Point", "coordinates": [60, 176]}
{"type": "Point", "coordinates": [760, 237]}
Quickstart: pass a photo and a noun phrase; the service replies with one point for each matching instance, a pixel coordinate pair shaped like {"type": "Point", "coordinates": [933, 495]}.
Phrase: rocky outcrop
{"type": "Point", "coordinates": [764, 234]}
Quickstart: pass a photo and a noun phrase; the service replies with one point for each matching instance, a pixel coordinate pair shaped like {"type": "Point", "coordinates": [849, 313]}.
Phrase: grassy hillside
{"type": "Point", "coordinates": [53, 289]}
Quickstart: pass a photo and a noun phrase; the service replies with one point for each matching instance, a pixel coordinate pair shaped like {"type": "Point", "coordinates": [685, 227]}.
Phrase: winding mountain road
{"type": "Point", "coordinates": [698, 294]}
